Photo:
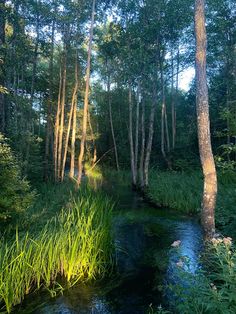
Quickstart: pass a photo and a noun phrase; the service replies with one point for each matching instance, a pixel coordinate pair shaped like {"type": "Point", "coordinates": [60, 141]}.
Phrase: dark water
{"type": "Point", "coordinates": [145, 262]}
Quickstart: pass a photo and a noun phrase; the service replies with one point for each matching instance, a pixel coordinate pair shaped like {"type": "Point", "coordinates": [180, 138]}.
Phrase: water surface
{"type": "Point", "coordinates": [145, 262]}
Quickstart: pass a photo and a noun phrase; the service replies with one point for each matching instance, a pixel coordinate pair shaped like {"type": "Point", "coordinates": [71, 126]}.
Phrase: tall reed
{"type": "Point", "coordinates": [76, 245]}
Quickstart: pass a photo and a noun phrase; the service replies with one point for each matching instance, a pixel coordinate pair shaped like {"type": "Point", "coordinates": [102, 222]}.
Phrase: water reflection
{"type": "Point", "coordinates": [143, 237]}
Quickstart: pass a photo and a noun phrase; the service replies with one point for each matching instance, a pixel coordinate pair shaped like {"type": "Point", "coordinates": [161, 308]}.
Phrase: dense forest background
{"type": "Point", "coordinates": [96, 98]}
{"type": "Point", "coordinates": [139, 51]}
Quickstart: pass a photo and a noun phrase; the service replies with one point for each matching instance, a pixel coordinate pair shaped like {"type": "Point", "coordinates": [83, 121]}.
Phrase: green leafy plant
{"type": "Point", "coordinates": [212, 289]}
{"type": "Point", "coordinates": [15, 194]}
{"type": "Point", "coordinates": [76, 244]}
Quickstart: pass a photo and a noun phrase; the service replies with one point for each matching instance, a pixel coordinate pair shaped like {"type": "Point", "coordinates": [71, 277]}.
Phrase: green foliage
{"type": "Point", "coordinates": [15, 194]}
{"type": "Point", "coordinates": [115, 177]}
{"type": "Point", "coordinates": [76, 244]}
{"type": "Point", "coordinates": [158, 310]}
{"type": "Point", "coordinates": [212, 290]}
{"type": "Point", "coordinates": [177, 190]}
{"type": "Point", "coordinates": [182, 191]}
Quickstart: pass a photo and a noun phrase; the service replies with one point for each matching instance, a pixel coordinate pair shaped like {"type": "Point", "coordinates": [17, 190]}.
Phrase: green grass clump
{"type": "Point", "coordinates": [177, 190]}
{"type": "Point", "coordinates": [182, 191]}
{"type": "Point", "coordinates": [74, 245]}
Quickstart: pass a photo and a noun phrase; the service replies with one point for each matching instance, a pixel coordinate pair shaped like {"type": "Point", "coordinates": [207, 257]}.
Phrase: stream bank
{"type": "Point", "coordinates": [144, 262]}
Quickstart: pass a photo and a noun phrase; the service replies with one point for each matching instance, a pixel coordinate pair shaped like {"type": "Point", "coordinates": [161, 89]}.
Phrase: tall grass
{"type": "Point", "coordinates": [177, 190]}
{"type": "Point", "coordinates": [182, 191]}
{"type": "Point", "coordinates": [74, 245]}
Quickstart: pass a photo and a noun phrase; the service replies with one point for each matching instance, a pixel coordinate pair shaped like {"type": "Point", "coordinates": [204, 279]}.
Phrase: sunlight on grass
{"type": "Point", "coordinates": [75, 245]}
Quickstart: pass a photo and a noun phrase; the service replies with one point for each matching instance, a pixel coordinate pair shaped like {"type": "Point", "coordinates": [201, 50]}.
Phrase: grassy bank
{"type": "Point", "coordinates": [68, 239]}
{"type": "Point", "coordinates": [183, 192]}
{"type": "Point", "coordinates": [212, 288]}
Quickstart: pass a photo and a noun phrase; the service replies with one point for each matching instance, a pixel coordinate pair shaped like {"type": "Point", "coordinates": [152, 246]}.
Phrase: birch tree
{"type": "Point", "coordinates": [86, 100]}
{"type": "Point", "coordinates": [203, 123]}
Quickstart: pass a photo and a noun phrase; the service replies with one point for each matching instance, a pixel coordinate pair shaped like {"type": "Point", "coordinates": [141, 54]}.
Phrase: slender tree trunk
{"type": "Point", "coordinates": [93, 139]}
{"type": "Point", "coordinates": [86, 100]}
{"type": "Point", "coordinates": [49, 107]}
{"type": "Point", "coordinates": [73, 136]}
{"type": "Point", "coordinates": [165, 142]}
{"type": "Point", "coordinates": [176, 93]}
{"type": "Point", "coordinates": [228, 112]}
{"type": "Point", "coordinates": [131, 142]}
{"type": "Point", "coordinates": [111, 119]}
{"type": "Point", "coordinates": [172, 103]}
{"type": "Point", "coordinates": [150, 137]}
{"type": "Point", "coordinates": [137, 132]}
{"type": "Point", "coordinates": [204, 137]}
{"type": "Point", "coordinates": [73, 104]}
{"type": "Point", "coordinates": [61, 127]}
{"type": "Point", "coordinates": [35, 60]}
{"type": "Point", "coordinates": [142, 152]}
{"type": "Point", "coordinates": [56, 130]}
{"type": "Point", "coordinates": [163, 116]}
{"type": "Point", "coordinates": [2, 73]}
{"type": "Point", "coordinates": [167, 132]}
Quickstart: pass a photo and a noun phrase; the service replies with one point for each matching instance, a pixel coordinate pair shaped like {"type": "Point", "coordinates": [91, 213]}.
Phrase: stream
{"type": "Point", "coordinates": [145, 262]}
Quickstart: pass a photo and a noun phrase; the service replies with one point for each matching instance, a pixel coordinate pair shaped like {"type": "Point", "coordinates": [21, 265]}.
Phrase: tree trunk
{"type": "Point", "coordinates": [176, 93]}
{"type": "Point", "coordinates": [163, 118]}
{"type": "Point", "coordinates": [73, 104]}
{"type": "Point", "coordinates": [111, 119]}
{"type": "Point", "coordinates": [131, 142]}
{"type": "Point", "coordinates": [61, 127]}
{"type": "Point", "coordinates": [204, 137]}
{"type": "Point", "coordinates": [167, 132]}
{"type": "Point", "coordinates": [56, 130]}
{"type": "Point", "coordinates": [86, 100]}
{"type": "Point", "coordinates": [137, 132]}
{"type": "Point", "coordinates": [49, 107]}
{"type": "Point", "coordinates": [93, 139]}
{"type": "Point", "coordinates": [2, 73]}
{"type": "Point", "coordinates": [172, 103]}
{"type": "Point", "coordinates": [165, 143]}
{"type": "Point", "coordinates": [150, 137]}
{"type": "Point", "coordinates": [142, 152]}
{"type": "Point", "coordinates": [73, 136]}
{"type": "Point", "coordinates": [35, 60]}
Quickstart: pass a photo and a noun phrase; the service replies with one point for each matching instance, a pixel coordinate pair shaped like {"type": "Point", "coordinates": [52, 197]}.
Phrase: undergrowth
{"type": "Point", "coordinates": [74, 245]}
{"type": "Point", "coordinates": [182, 191]}
{"type": "Point", "coordinates": [212, 289]}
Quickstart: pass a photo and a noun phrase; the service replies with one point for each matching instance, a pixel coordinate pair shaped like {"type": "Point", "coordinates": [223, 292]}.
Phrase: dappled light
{"type": "Point", "coordinates": [117, 156]}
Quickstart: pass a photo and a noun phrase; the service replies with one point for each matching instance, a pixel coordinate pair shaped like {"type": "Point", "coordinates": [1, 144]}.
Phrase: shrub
{"type": "Point", "coordinates": [15, 194]}
{"type": "Point", "coordinates": [213, 289]}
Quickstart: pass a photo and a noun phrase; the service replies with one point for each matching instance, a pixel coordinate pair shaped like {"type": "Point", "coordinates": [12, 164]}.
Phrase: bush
{"type": "Point", "coordinates": [15, 194]}
{"type": "Point", "coordinates": [213, 289]}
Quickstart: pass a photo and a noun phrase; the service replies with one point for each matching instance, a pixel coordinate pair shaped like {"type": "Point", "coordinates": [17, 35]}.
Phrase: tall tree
{"type": "Point", "coordinates": [74, 122]}
{"type": "Point", "coordinates": [111, 117]}
{"type": "Point", "coordinates": [131, 140]}
{"type": "Point", "coordinates": [2, 71]}
{"type": "Point", "coordinates": [204, 135]}
{"type": "Point", "coordinates": [86, 99]}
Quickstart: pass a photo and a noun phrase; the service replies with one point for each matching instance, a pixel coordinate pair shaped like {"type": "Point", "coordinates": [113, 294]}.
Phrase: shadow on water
{"type": "Point", "coordinates": [145, 262]}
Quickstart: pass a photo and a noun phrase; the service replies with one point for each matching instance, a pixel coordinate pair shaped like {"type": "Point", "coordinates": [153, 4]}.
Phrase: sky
{"type": "Point", "coordinates": [186, 78]}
